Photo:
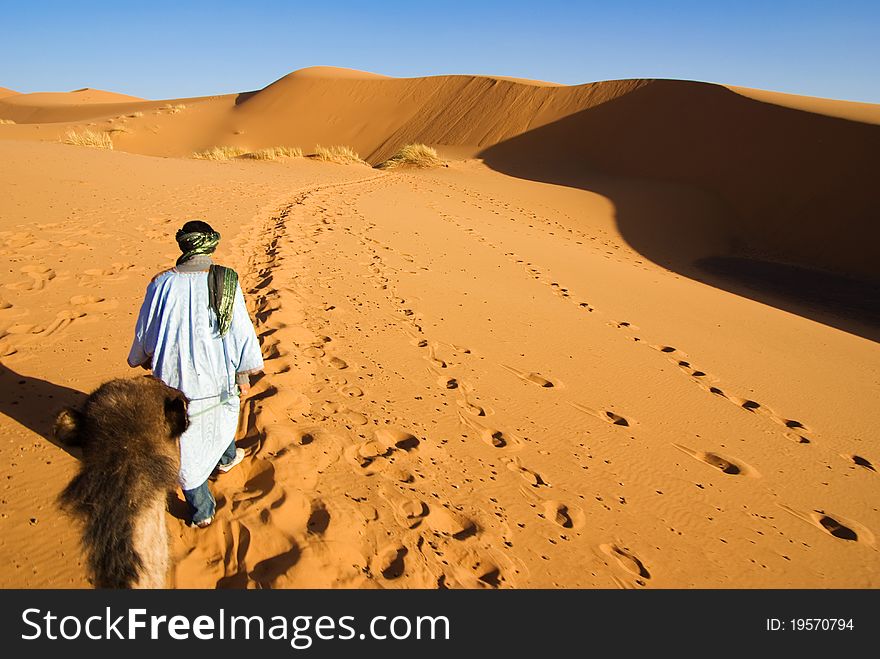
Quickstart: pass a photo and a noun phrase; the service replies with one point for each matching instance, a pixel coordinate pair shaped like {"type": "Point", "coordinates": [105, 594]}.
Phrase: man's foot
{"type": "Point", "coordinates": [239, 456]}
{"type": "Point", "coordinates": [203, 524]}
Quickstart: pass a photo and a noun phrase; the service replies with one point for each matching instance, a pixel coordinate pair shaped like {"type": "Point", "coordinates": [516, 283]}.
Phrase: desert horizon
{"type": "Point", "coordinates": [517, 334]}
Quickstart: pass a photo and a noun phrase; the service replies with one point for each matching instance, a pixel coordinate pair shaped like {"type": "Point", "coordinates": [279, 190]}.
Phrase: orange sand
{"type": "Point", "coordinates": [515, 371]}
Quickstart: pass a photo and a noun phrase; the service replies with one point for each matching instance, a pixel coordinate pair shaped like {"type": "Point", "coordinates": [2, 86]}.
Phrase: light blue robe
{"type": "Point", "coordinates": [177, 333]}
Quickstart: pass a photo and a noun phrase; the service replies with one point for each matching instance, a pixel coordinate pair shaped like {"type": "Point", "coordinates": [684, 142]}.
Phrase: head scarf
{"type": "Point", "coordinates": [222, 282]}
{"type": "Point", "coordinates": [192, 243]}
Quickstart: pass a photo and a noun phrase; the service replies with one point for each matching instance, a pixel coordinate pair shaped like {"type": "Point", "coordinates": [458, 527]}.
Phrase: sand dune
{"type": "Point", "coordinates": [86, 95]}
{"type": "Point", "coordinates": [767, 163]}
{"type": "Point", "coordinates": [868, 113]}
{"type": "Point", "coordinates": [488, 375]}
{"type": "Point", "coordinates": [374, 114]}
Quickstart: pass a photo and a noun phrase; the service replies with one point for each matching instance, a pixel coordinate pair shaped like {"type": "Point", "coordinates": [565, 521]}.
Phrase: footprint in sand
{"type": "Point", "coordinates": [789, 423]}
{"type": "Point", "coordinates": [409, 513]}
{"type": "Point", "coordinates": [496, 438]}
{"type": "Point", "coordinates": [271, 348]}
{"type": "Point", "coordinates": [355, 418]}
{"type": "Point", "coordinates": [62, 320]}
{"type": "Point", "coordinates": [626, 560]}
{"type": "Point", "coordinates": [559, 290]}
{"type": "Point", "coordinates": [260, 482]}
{"type": "Point", "coordinates": [397, 474]}
{"type": "Point", "coordinates": [395, 438]}
{"type": "Point", "coordinates": [474, 570]}
{"type": "Point", "coordinates": [448, 522]}
{"type": "Point", "coordinates": [336, 362]}
{"type": "Point", "coordinates": [467, 404]}
{"type": "Point", "coordinates": [19, 329]}
{"type": "Point", "coordinates": [668, 350]}
{"type": "Point", "coordinates": [859, 461]}
{"type": "Point", "coordinates": [834, 525]}
{"type": "Point", "coordinates": [534, 378]}
{"type": "Point", "coordinates": [85, 300]}
{"type": "Point", "coordinates": [607, 416]}
{"type": "Point", "coordinates": [38, 277]}
{"type": "Point", "coordinates": [236, 539]}
{"type": "Point", "coordinates": [319, 518]}
{"type": "Point", "coordinates": [492, 436]}
{"type": "Point", "coordinates": [533, 478]}
{"type": "Point", "coordinates": [351, 391]}
{"type": "Point", "coordinates": [724, 465]}
{"type": "Point", "coordinates": [280, 405]}
{"type": "Point", "coordinates": [114, 273]}
{"type": "Point", "coordinates": [365, 457]}
{"type": "Point", "coordinates": [266, 571]}
{"type": "Point", "coordinates": [564, 515]}
{"type": "Point", "coordinates": [389, 561]}
{"type": "Point", "coordinates": [471, 408]}
{"type": "Point", "coordinates": [690, 370]}
{"type": "Point", "coordinates": [746, 404]}
{"type": "Point", "coordinates": [433, 359]}
{"type": "Point", "coordinates": [278, 436]}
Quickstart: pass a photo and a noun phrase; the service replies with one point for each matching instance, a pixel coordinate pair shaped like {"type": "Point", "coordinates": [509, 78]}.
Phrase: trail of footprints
{"type": "Point", "coordinates": [491, 436]}
{"type": "Point", "coordinates": [792, 429]}
{"type": "Point", "coordinates": [444, 557]}
{"type": "Point", "coordinates": [563, 515]}
{"type": "Point", "coordinates": [437, 542]}
{"type": "Point", "coordinates": [15, 331]}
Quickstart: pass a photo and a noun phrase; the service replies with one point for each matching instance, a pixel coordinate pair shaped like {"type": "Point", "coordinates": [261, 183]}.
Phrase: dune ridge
{"type": "Point", "coordinates": [770, 160]}
{"type": "Point", "coordinates": [505, 372]}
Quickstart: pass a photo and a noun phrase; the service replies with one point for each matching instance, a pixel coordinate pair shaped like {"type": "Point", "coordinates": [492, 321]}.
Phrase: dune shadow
{"type": "Point", "coordinates": [34, 403]}
{"type": "Point", "coordinates": [243, 96]}
{"type": "Point", "coordinates": [795, 289]}
{"type": "Point", "coordinates": [702, 179]}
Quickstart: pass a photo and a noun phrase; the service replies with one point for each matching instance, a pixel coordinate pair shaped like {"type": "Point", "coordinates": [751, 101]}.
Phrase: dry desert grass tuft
{"type": "Point", "coordinates": [414, 155]}
{"type": "Point", "coordinates": [170, 109]}
{"type": "Point", "coordinates": [274, 153]}
{"type": "Point", "coordinates": [88, 138]}
{"type": "Point", "coordinates": [6, 121]}
{"type": "Point", "coordinates": [343, 155]}
{"type": "Point", "coordinates": [135, 115]}
{"type": "Point", "coordinates": [221, 153]}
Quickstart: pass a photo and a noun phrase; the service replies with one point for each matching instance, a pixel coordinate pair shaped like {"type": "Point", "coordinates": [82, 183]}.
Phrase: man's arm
{"type": "Point", "coordinates": [142, 347]}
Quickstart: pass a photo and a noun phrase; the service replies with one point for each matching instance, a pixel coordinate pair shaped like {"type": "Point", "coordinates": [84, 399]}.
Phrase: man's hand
{"type": "Point", "coordinates": [244, 384]}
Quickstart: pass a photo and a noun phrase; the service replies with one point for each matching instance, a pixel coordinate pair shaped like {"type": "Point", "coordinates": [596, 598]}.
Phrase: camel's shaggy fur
{"type": "Point", "coordinates": [128, 430]}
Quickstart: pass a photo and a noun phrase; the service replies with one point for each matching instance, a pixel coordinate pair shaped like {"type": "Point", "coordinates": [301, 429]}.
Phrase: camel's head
{"type": "Point", "coordinates": [125, 405]}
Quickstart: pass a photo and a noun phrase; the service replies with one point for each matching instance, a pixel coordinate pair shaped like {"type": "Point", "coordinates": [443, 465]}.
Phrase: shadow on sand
{"type": "Point", "coordinates": [703, 178]}
{"type": "Point", "coordinates": [35, 403]}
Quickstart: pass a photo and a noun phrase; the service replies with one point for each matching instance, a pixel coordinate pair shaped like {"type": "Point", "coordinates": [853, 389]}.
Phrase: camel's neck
{"type": "Point", "coordinates": [151, 543]}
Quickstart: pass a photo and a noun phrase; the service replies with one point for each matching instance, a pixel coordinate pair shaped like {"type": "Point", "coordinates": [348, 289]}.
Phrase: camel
{"type": "Point", "coordinates": [128, 430]}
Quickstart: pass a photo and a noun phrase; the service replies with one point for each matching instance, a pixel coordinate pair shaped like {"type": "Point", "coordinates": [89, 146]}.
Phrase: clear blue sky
{"type": "Point", "coordinates": [159, 49]}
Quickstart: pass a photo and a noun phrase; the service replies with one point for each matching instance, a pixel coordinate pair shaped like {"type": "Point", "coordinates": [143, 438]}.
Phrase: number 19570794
{"type": "Point", "coordinates": [809, 624]}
